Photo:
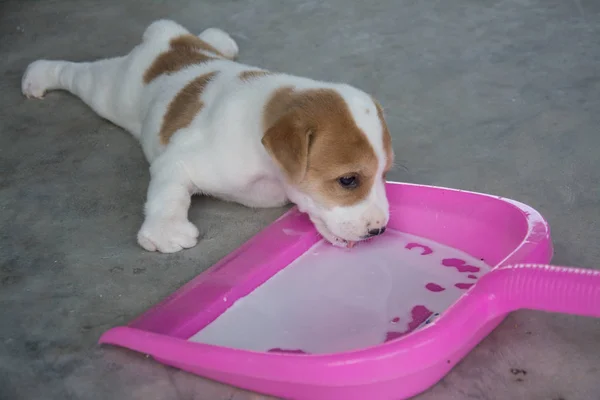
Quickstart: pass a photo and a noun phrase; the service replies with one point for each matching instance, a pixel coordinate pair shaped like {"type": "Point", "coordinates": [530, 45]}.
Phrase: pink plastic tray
{"type": "Point", "coordinates": [385, 320]}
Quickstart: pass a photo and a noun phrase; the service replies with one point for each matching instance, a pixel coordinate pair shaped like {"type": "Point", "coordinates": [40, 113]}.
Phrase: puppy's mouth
{"type": "Point", "coordinates": [340, 241]}
{"type": "Point", "coordinates": [328, 235]}
{"type": "Point", "coordinates": [372, 234]}
{"type": "Point", "coordinates": [351, 243]}
{"type": "Point", "coordinates": [343, 242]}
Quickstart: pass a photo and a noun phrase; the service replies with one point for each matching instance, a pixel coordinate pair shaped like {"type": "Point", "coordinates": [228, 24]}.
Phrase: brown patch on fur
{"type": "Point", "coordinates": [251, 74]}
{"type": "Point", "coordinates": [278, 105]}
{"type": "Point", "coordinates": [313, 137]}
{"type": "Point", "coordinates": [184, 107]}
{"type": "Point", "coordinates": [184, 50]}
{"type": "Point", "coordinates": [387, 138]}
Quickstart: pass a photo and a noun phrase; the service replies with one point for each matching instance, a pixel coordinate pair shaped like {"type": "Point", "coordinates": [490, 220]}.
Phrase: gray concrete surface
{"type": "Point", "coordinates": [493, 96]}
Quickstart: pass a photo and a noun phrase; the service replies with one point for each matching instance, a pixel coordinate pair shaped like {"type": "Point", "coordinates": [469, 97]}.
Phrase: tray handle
{"type": "Point", "coordinates": [550, 288]}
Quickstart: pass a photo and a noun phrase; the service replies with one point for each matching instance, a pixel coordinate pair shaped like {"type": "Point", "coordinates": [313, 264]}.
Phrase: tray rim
{"type": "Point", "coordinates": [227, 360]}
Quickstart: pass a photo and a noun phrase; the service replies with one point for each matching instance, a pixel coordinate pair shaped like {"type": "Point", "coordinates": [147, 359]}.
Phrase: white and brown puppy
{"type": "Point", "coordinates": [213, 126]}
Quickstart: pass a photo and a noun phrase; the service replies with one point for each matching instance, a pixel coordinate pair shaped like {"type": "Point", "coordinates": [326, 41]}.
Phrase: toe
{"type": "Point", "coordinates": [169, 247]}
{"type": "Point", "coordinates": [188, 241]}
{"type": "Point", "coordinates": [190, 229]}
{"type": "Point", "coordinates": [146, 243]}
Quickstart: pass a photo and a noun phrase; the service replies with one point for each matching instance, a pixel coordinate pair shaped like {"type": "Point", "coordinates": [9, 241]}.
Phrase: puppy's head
{"type": "Point", "coordinates": [334, 149]}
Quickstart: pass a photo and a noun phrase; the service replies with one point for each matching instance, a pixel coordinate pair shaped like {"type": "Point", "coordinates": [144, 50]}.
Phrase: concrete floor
{"type": "Point", "coordinates": [492, 96]}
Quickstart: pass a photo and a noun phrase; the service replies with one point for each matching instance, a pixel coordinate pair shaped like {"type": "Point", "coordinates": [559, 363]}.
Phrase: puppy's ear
{"type": "Point", "coordinates": [288, 143]}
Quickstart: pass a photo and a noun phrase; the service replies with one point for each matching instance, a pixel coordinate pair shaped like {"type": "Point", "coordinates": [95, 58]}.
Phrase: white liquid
{"type": "Point", "coordinates": [333, 300]}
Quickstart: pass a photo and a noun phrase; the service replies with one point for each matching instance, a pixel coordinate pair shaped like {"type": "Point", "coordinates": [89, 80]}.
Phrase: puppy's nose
{"type": "Point", "coordinates": [376, 232]}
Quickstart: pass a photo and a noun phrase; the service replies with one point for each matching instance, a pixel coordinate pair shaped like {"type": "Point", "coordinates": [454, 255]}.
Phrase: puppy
{"type": "Point", "coordinates": [210, 125]}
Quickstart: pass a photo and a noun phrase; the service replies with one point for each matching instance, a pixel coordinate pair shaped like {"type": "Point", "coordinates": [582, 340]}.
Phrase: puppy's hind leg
{"type": "Point", "coordinates": [221, 41]}
{"type": "Point", "coordinates": [103, 85]}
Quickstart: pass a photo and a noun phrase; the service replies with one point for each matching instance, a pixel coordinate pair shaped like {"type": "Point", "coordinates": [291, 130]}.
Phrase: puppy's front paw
{"type": "Point", "coordinates": [167, 235]}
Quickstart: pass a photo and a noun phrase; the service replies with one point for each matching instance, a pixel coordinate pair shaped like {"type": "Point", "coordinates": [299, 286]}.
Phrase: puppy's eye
{"type": "Point", "coordinates": [348, 182]}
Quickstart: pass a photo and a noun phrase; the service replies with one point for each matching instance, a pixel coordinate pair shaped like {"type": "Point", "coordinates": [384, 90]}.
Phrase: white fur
{"type": "Point", "coordinates": [220, 152]}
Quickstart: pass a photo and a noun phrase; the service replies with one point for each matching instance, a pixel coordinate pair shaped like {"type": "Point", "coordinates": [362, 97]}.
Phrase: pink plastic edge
{"type": "Point", "coordinates": [399, 368]}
